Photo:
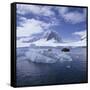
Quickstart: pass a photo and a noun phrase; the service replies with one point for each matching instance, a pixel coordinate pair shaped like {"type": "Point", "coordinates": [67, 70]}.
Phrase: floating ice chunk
{"type": "Point", "coordinates": [68, 66]}
{"type": "Point", "coordinates": [47, 57]}
{"type": "Point", "coordinates": [51, 55]}
{"type": "Point", "coordinates": [65, 57]}
{"type": "Point", "coordinates": [58, 56]}
{"type": "Point", "coordinates": [39, 58]}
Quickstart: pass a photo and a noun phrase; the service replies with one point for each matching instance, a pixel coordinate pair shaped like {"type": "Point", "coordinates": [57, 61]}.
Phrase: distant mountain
{"type": "Point", "coordinates": [49, 35]}
{"type": "Point", "coordinates": [51, 39]}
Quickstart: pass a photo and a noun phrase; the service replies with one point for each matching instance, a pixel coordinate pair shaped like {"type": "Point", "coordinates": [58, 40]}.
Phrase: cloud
{"type": "Point", "coordinates": [31, 26]}
{"type": "Point", "coordinates": [34, 9]}
{"type": "Point", "coordinates": [81, 34]}
{"type": "Point", "coordinates": [40, 12]}
{"type": "Point", "coordinates": [62, 10]}
{"type": "Point", "coordinates": [72, 16]}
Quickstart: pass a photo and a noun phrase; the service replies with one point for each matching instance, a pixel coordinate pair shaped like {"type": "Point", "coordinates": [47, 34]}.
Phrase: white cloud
{"type": "Point", "coordinates": [81, 34]}
{"type": "Point", "coordinates": [72, 16]}
{"type": "Point", "coordinates": [31, 26]}
{"type": "Point", "coordinates": [62, 10]}
{"type": "Point", "coordinates": [35, 9]}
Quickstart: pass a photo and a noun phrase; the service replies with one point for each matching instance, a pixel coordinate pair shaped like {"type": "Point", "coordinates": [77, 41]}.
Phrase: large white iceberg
{"type": "Point", "coordinates": [47, 57]}
{"type": "Point", "coordinates": [37, 57]}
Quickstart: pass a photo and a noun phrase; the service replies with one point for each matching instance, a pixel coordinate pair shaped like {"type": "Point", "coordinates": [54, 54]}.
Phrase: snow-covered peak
{"type": "Point", "coordinates": [50, 38]}
{"type": "Point", "coordinates": [49, 35]}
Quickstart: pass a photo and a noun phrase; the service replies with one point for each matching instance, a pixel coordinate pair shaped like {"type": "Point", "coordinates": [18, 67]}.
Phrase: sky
{"type": "Point", "coordinates": [69, 22]}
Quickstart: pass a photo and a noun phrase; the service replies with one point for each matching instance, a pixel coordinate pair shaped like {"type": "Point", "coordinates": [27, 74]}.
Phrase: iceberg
{"type": "Point", "coordinates": [65, 57]}
{"type": "Point", "coordinates": [39, 58]}
{"type": "Point", "coordinates": [47, 57]}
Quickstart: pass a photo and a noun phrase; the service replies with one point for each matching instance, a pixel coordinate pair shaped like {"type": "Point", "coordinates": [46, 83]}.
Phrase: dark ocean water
{"type": "Point", "coordinates": [31, 73]}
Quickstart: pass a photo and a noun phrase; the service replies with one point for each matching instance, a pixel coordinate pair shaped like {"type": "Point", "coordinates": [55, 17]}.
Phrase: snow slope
{"type": "Point", "coordinates": [43, 42]}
